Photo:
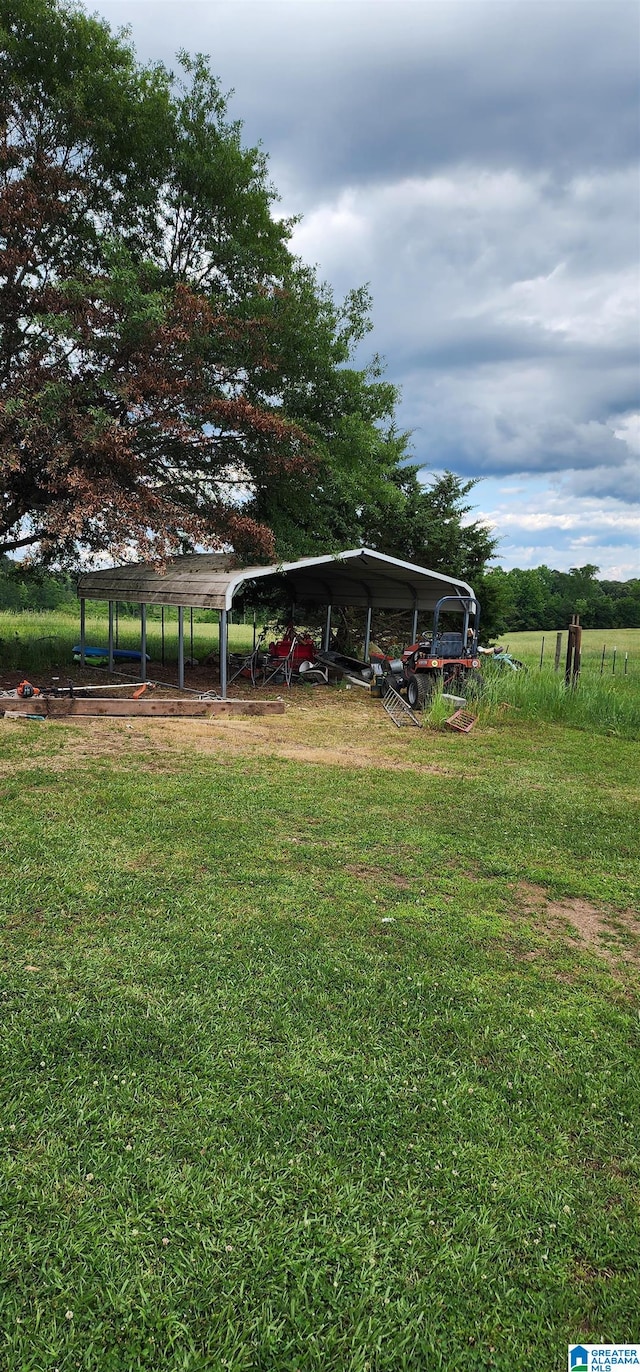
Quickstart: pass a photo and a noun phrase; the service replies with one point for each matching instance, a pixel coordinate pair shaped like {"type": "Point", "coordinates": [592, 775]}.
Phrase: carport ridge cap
{"type": "Point", "coordinates": [253, 573]}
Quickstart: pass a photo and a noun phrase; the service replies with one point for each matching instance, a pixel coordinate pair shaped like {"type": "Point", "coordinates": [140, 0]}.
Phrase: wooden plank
{"type": "Point", "coordinates": [145, 708]}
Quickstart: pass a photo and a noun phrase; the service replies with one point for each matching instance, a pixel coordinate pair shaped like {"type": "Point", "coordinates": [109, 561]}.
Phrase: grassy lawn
{"type": "Point", "coordinates": [529, 647]}
{"type": "Point", "coordinates": [36, 640]}
{"type": "Point", "coordinates": [320, 1044]}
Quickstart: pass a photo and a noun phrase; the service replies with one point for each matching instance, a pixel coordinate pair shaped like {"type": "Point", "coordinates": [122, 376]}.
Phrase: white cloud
{"type": "Point", "coordinates": [453, 255]}
{"type": "Point", "coordinates": [627, 428]}
{"type": "Point", "coordinates": [537, 521]}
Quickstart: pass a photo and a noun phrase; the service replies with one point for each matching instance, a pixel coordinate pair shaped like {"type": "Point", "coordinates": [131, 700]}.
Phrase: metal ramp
{"type": "Point", "coordinates": [398, 710]}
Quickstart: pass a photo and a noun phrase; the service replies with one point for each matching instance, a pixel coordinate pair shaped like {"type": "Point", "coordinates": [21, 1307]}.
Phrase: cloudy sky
{"type": "Point", "coordinates": [475, 161]}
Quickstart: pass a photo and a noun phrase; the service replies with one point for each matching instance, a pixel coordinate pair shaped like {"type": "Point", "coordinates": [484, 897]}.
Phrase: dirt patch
{"type": "Point", "coordinates": [377, 874]}
{"type": "Point", "coordinates": [337, 730]}
{"type": "Point", "coordinates": [89, 740]}
{"type": "Point", "coordinates": [307, 842]}
{"type": "Point", "coordinates": [612, 1166]}
{"type": "Point", "coordinates": [349, 757]}
{"type": "Point", "coordinates": [598, 929]}
{"type": "Point", "coordinates": [583, 1272]}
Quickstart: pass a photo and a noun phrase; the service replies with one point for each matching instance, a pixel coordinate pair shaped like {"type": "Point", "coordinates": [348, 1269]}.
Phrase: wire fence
{"type": "Point", "coordinates": [607, 659]}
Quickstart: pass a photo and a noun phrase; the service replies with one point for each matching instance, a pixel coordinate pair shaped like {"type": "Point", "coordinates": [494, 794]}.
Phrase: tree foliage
{"type": "Point", "coordinates": [170, 375]}
{"type": "Point", "coordinates": [137, 250]}
{"type": "Point", "coordinates": [541, 598]}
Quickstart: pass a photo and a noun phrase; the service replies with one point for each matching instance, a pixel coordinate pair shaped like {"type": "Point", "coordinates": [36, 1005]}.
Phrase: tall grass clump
{"type": "Point", "coordinates": [606, 707]}
{"type": "Point", "coordinates": [437, 710]}
{"type": "Point", "coordinates": [32, 641]}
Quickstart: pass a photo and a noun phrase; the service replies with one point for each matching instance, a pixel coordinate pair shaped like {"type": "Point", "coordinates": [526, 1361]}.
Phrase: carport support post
{"type": "Point", "coordinates": [414, 626]}
{"type": "Point", "coordinates": [143, 642]}
{"type": "Point", "coordinates": [223, 654]}
{"type": "Point", "coordinates": [367, 634]}
{"type": "Point", "coordinates": [83, 636]}
{"type": "Point", "coordinates": [110, 635]}
{"type": "Point", "coordinates": [181, 647]}
{"type": "Point", "coordinates": [327, 630]}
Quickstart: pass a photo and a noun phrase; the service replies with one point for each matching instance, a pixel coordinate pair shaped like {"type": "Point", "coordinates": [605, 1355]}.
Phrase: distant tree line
{"type": "Point", "coordinates": [27, 588]}
{"type": "Point", "coordinates": [536, 598]}
{"type": "Point", "coordinates": [542, 598]}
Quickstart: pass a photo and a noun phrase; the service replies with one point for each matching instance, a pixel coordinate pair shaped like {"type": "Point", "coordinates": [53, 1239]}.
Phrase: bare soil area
{"type": "Point", "coordinates": [612, 934]}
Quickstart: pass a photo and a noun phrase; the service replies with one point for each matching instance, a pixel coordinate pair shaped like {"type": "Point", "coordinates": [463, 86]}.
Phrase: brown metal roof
{"type": "Point", "coordinates": [359, 577]}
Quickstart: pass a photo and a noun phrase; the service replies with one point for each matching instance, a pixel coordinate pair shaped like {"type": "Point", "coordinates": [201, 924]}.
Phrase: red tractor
{"type": "Point", "coordinates": [444, 656]}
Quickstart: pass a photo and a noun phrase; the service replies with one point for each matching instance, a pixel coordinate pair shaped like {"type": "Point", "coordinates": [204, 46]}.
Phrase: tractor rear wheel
{"type": "Point", "coordinates": [420, 688]}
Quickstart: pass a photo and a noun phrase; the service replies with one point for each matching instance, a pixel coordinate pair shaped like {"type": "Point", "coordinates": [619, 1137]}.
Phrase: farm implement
{"type": "Point", "coordinates": [443, 657]}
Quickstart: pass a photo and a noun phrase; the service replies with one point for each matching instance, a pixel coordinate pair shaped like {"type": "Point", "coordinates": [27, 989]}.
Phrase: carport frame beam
{"type": "Point", "coordinates": [327, 631]}
{"type": "Point", "coordinates": [111, 636]}
{"type": "Point", "coordinates": [143, 642]}
{"type": "Point", "coordinates": [223, 647]}
{"type": "Point", "coordinates": [367, 634]}
{"type": "Point", "coordinates": [181, 647]}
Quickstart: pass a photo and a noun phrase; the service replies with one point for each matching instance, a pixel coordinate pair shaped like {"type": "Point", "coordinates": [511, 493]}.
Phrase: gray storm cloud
{"type": "Point", "coordinates": [477, 164]}
{"type": "Point", "coordinates": [349, 91]}
{"type": "Point", "coordinates": [508, 312]}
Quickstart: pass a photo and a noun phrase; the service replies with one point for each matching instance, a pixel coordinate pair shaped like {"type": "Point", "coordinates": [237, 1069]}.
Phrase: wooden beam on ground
{"type": "Point", "coordinates": [141, 709]}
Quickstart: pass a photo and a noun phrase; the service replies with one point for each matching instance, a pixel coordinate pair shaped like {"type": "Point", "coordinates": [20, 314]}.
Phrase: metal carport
{"type": "Point", "coordinates": [358, 577]}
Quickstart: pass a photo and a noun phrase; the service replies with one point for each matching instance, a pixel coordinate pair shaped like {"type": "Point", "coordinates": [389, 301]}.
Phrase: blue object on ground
{"type": "Point", "coordinates": [506, 660]}
{"type": "Point", "coordinates": [119, 654]}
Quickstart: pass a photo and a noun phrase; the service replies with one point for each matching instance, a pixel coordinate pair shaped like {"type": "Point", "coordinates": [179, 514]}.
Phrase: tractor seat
{"type": "Point", "coordinates": [448, 645]}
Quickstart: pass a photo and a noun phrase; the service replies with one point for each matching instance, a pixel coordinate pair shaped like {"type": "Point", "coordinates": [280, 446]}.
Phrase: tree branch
{"type": "Point", "coordinates": [22, 542]}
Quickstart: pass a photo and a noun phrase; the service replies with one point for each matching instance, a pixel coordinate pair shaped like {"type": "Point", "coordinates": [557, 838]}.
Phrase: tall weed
{"type": "Point", "coordinates": [605, 706]}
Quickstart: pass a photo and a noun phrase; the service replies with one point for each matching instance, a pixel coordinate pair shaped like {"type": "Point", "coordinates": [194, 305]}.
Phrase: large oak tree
{"type": "Point", "coordinates": [137, 254]}
{"type": "Point", "coordinates": [170, 375]}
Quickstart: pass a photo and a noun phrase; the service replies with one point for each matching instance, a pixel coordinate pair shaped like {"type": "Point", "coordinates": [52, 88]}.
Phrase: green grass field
{"type": "Point", "coordinates": [40, 643]}
{"type": "Point", "coordinates": [38, 640]}
{"type": "Point", "coordinates": [320, 1043]}
{"type": "Point", "coordinates": [529, 646]}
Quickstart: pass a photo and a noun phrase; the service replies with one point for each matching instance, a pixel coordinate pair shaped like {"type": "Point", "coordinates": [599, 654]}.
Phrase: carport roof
{"type": "Point", "coordinates": [357, 577]}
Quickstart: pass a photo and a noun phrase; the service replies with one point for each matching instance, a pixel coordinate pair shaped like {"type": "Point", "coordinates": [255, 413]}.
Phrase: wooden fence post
{"type": "Point", "coordinates": [574, 652]}
{"type": "Point", "coordinates": [556, 664]}
{"type": "Point", "coordinates": [577, 652]}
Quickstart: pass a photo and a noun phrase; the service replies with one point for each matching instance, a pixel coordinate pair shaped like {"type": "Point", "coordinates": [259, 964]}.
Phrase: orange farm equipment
{"type": "Point", "coordinates": [442, 657]}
